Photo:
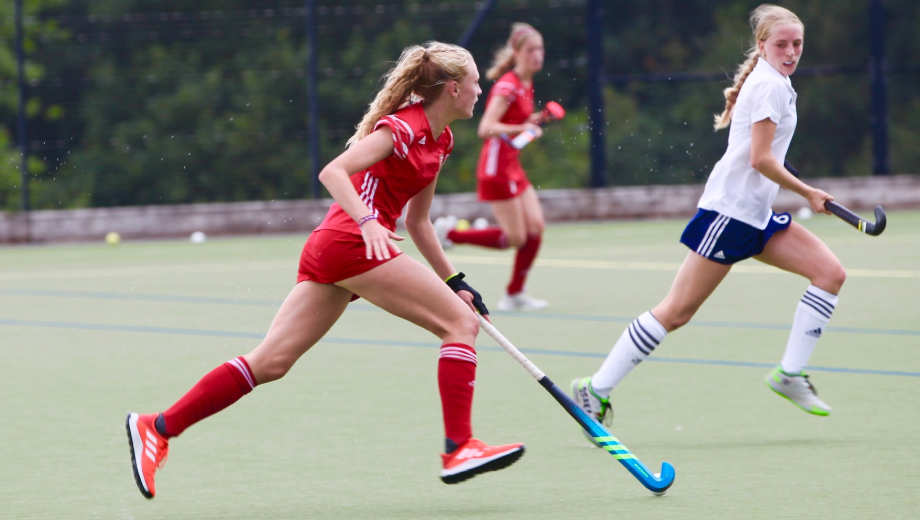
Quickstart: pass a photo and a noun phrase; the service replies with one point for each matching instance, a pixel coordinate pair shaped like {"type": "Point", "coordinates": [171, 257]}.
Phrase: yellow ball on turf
{"type": "Point", "coordinates": [463, 224]}
{"type": "Point", "coordinates": [112, 238]}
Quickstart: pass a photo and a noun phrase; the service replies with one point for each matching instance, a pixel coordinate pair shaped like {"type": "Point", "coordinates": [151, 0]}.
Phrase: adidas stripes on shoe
{"type": "Point", "coordinates": [474, 457]}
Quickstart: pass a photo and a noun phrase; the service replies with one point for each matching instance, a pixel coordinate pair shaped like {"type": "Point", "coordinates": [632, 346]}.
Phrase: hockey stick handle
{"type": "Point", "coordinates": [657, 485]}
{"type": "Point", "coordinates": [511, 349]}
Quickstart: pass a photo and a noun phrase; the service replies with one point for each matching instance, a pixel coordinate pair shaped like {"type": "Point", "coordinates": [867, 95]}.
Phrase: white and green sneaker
{"type": "Point", "coordinates": [593, 404]}
{"type": "Point", "coordinates": [798, 389]}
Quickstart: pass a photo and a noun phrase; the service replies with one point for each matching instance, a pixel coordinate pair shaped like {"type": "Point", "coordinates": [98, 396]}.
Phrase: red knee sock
{"type": "Point", "coordinates": [217, 390]}
{"type": "Point", "coordinates": [456, 380]}
{"type": "Point", "coordinates": [491, 237]}
{"type": "Point", "coordinates": [524, 258]}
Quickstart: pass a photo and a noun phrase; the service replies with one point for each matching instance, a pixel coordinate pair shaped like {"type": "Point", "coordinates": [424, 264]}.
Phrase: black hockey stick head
{"type": "Point", "coordinates": [869, 228]}
{"type": "Point", "coordinates": [880, 222]}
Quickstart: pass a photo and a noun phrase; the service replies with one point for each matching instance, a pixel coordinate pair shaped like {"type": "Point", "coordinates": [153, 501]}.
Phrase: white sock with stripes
{"type": "Point", "coordinates": [811, 317]}
{"type": "Point", "coordinates": [638, 341]}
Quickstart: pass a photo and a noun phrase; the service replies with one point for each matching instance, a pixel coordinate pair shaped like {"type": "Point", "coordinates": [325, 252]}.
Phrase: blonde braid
{"type": "Point", "coordinates": [731, 94]}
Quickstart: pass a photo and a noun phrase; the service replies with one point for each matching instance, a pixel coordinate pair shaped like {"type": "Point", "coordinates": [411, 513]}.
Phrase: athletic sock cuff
{"type": "Point", "coordinates": [458, 352]}
{"type": "Point", "coordinates": [819, 303]}
{"type": "Point", "coordinates": [654, 327]}
{"type": "Point", "coordinates": [243, 374]}
{"type": "Point", "coordinates": [821, 293]}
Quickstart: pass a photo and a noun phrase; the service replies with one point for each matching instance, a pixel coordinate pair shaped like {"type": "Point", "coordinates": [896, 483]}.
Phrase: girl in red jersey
{"type": "Point", "coordinates": [501, 179]}
{"type": "Point", "coordinates": [393, 159]}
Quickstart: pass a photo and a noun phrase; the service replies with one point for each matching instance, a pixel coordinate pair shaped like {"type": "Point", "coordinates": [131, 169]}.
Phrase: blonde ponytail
{"type": "Point", "coordinates": [419, 75]}
{"type": "Point", "coordinates": [763, 20]}
{"type": "Point", "coordinates": [504, 57]}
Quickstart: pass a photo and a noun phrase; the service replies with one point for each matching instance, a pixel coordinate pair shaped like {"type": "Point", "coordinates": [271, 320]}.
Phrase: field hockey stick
{"type": "Point", "coordinates": [656, 484]}
{"type": "Point", "coordinates": [850, 217]}
{"type": "Point", "coordinates": [552, 112]}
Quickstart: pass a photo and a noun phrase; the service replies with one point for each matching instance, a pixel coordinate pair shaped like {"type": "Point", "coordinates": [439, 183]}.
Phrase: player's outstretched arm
{"type": "Point", "coordinates": [418, 224]}
{"type": "Point", "coordinates": [763, 160]}
{"type": "Point", "coordinates": [491, 126]}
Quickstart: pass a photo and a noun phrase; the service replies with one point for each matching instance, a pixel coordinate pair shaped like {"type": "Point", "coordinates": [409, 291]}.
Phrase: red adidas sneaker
{"type": "Point", "coordinates": [148, 450]}
{"type": "Point", "coordinates": [475, 457]}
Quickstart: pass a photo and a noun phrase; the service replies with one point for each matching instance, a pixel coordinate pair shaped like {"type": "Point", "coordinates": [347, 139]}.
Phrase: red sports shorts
{"type": "Point", "coordinates": [330, 256]}
{"type": "Point", "coordinates": [491, 189]}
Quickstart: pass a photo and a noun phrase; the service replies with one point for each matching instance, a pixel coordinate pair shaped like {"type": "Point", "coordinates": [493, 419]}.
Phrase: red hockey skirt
{"type": "Point", "coordinates": [330, 256]}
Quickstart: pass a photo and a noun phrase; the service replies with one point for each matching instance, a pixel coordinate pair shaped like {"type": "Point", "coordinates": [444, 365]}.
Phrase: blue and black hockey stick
{"type": "Point", "coordinates": [654, 483]}
{"type": "Point", "coordinates": [874, 229]}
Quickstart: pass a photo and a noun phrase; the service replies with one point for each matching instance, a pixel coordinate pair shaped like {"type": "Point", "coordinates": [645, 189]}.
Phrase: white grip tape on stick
{"type": "Point", "coordinates": [511, 349]}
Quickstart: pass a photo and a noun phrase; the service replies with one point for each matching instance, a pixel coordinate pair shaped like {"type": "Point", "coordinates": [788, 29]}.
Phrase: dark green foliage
{"type": "Point", "coordinates": [149, 102]}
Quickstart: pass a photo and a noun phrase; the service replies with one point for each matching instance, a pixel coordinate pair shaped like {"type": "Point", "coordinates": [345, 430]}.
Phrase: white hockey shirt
{"type": "Point", "coordinates": [734, 188]}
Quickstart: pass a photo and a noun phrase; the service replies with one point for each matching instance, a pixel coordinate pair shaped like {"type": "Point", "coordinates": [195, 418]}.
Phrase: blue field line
{"type": "Point", "coordinates": [422, 344]}
{"type": "Point", "coordinates": [368, 307]}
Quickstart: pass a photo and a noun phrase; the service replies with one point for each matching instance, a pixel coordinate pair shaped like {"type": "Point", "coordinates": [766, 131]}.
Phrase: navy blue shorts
{"type": "Point", "coordinates": [726, 240]}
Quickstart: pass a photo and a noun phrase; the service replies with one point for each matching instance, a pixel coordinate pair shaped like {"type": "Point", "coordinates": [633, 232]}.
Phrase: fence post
{"type": "Point", "coordinates": [596, 119]}
{"type": "Point", "coordinates": [475, 23]}
{"type": "Point", "coordinates": [23, 137]}
{"type": "Point", "coordinates": [878, 84]}
{"type": "Point", "coordinates": [313, 102]}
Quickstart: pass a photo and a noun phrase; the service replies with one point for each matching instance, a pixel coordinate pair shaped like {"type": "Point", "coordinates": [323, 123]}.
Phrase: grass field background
{"type": "Point", "coordinates": [90, 332]}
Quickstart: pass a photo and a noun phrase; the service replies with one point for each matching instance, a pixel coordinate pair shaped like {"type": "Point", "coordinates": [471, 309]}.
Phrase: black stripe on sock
{"type": "Point", "coordinates": [649, 336]}
{"type": "Point", "coordinates": [636, 342]}
{"type": "Point", "coordinates": [819, 302]}
{"type": "Point", "coordinates": [813, 306]}
{"type": "Point", "coordinates": [822, 300]}
{"type": "Point", "coordinates": [634, 335]}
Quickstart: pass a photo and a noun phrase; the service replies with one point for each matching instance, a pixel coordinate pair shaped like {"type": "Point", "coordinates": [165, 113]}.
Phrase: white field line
{"type": "Point", "coordinates": [142, 271]}
{"type": "Point", "coordinates": [664, 266]}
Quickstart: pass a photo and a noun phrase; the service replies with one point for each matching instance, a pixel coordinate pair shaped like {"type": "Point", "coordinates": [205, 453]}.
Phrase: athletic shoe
{"type": "Point", "coordinates": [798, 389]}
{"type": "Point", "coordinates": [148, 451]}
{"type": "Point", "coordinates": [443, 226]}
{"type": "Point", "coordinates": [474, 457]}
{"type": "Point", "coordinates": [520, 302]}
{"type": "Point", "coordinates": [594, 405]}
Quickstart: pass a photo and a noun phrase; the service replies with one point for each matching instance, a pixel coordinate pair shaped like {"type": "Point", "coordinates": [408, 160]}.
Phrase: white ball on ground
{"type": "Point", "coordinates": [804, 213]}
{"type": "Point", "coordinates": [659, 493]}
{"type": "Point", "coordinates": [198, 237]}
{"type": "Point", "coordinates": [112, 238]}
{"type": "Point", "coordinates": [480, 223]}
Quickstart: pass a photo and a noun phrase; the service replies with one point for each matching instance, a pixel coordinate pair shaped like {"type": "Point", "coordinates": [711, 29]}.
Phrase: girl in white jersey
{"type": "Point", "coordinates": [735, 222]}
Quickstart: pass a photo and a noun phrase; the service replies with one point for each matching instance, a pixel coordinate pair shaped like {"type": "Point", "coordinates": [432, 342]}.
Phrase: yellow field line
{"type": "Point", "coordinates": [664, 266]}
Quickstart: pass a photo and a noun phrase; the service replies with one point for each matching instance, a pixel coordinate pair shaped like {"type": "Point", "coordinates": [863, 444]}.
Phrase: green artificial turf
{"type": "Point", "coordinates": [91, 332]}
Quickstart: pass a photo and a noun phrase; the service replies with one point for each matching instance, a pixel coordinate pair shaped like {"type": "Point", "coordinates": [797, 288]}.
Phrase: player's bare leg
{"type": "Point", "coordinates": [305, 316]}
{"type": "Point", "coordinates": [407, 289]}
{"type": "Point", "coordinates": [799, 251]}
{"type": "Point", "coordinates": [522, 220]}
{"type": "Point", "coordinates": [696, 279]}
